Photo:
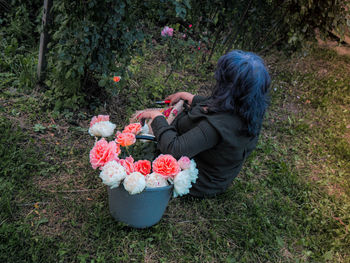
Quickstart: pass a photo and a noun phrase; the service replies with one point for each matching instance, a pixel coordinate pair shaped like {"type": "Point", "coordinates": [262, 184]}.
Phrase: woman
{"type": "Point", "coordinates": [220, 131]}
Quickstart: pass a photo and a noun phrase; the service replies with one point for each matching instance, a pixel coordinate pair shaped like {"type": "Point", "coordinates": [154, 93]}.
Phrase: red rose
{"type": "Point", "coordinates": [143, 166]}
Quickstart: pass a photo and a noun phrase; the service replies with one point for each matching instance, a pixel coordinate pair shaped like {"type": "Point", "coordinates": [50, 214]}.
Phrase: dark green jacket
{"type": "Point", "coordinates": [214, 140]}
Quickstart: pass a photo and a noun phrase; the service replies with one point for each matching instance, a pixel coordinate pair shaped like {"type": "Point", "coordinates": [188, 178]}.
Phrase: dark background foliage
{"type": "Point", "coordinates": [91, 41]}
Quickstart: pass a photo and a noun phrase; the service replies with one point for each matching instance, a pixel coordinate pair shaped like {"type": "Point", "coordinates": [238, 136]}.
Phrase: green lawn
{"type": "Point", "coordinates": [291, 202]}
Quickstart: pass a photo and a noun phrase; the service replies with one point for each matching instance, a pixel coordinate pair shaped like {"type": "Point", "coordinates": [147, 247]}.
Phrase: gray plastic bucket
{"type": "Point", "coordinates": [140, 210]}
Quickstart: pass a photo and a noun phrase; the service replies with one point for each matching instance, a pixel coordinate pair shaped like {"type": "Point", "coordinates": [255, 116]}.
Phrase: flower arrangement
{"type": "Point", "coordinates": [138, 175]}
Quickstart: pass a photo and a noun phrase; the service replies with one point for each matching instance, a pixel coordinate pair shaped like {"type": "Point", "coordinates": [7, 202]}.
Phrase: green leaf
{"type": "Point", "coordinates": [102, 83]}
{"type": "Point", "coordinates": [68, 74]}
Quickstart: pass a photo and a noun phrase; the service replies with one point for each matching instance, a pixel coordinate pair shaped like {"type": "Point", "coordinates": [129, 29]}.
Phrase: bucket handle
{"type": "Point", "coordinates": [146, 137]}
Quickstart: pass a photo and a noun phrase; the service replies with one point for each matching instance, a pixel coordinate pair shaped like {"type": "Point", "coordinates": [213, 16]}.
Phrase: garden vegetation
{"type": "Point", "coordinates": [291, 202]}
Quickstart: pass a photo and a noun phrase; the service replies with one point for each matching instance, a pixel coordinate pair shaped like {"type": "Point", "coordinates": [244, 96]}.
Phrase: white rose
{"type": "Point", "coordinates": [182, 183]}
{"type": "Point", "coordinates": [193, 171]}
{"type": "Point", "coordinates": [102, 128]}
{"type": "Point", "coordinates": [155, 180]}
{"type": "Point", "coordinates": [134, 183]}
{"type": "Point", "coordinates": [112, 174]}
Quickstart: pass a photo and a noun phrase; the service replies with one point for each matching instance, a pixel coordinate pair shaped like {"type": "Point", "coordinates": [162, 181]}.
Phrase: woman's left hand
{"type": "Point", "coordinates": [148, 114]}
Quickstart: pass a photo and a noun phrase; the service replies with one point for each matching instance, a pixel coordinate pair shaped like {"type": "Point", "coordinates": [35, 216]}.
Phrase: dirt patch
{"type": "Point", "coordinates": [336, 190]}
{"type": "Point", "coordinates": [291, 107]}
{"type": "Point", "coordinates": [311, 62]}
{"type": "Point", "coordinates": [150, 255]}
{"type": "Point", "coordinates": [286, 254]}
{"type": "Point", "coordinates": [347, 136]}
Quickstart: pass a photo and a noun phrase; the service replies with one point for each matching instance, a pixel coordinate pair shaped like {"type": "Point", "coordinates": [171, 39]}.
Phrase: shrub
{"type": "Point", "coordinates": [93, 42]}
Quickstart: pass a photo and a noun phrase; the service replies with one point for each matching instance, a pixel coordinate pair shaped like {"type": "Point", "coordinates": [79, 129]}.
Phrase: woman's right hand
{"type": "Point", "coordinates": [174, 98]}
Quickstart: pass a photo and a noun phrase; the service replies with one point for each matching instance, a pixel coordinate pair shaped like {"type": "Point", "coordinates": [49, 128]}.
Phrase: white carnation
{"type": "Point", "coordinates": [155, 180]}
{"type": "Point", "coordinates": [182, 183]}
{"type": "Point", "coordinates": [102, 128]}
{"type": "Point", "coordinates": [134, 183]}
{"type": "Point", "coordinates": [112, 174]}
{"type": "Point", "coordinates": [193, 171]}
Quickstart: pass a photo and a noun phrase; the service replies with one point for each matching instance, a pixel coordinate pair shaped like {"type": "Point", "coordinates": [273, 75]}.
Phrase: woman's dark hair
{"type": "Point", "coordinates": [242, 85]}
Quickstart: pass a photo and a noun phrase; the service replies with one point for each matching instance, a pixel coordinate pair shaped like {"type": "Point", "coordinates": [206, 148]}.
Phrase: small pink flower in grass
{"type": "Point", "coordinates": [190, 25]}
{"type": "Point", "coordinates": [103, 152]}
{"type": "Point", "coordinates": [99, 118]}
{"type": "Point", "coordinates": [167, 31]}
{"type": "Point", "coordinates": [199, 48]}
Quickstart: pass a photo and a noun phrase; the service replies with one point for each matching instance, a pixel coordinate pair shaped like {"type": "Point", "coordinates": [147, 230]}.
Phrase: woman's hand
{"type": "Point", "coordinates": [174, 98]}
{"type": "Point", "coordinates": [148, 114]}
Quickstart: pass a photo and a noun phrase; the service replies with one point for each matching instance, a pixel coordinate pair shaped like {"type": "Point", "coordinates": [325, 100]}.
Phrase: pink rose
{"type": "Point", "coordinates": [125, 139]}
{"type": "Point", "coordinates": [167, 31]}
{"type": "Point", "coordinates": [128, 164]}
{"type": "Point", "coordinates": [134, 128]}
{"type": "Point", "coordinates": [166, 165]}
{"type": "Point", "coordinates": [143, 166]}
{"type": "Point", "coordinates": [103, 152]}
{"type": "Point", "coordinates": [184, 162]}
{"type": "Point", "coordinates": [99, 118]}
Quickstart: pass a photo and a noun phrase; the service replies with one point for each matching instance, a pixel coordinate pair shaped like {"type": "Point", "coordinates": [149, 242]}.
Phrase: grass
{"type": "Point", "coordinates": [291, 202]}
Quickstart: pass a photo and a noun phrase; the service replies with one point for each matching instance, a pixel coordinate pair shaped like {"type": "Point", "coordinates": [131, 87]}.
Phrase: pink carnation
{"type": "Point", "coordinates": [166, 165]}
{"type": "Point", "coordinates": [128, 164]}
{"type": "Point", "coordinates": [99, 118]}
{"type": "Point", "coordinates": [184, 162]}
{"type": "Point", "coordinates": [134, 128]}
{"type": "Point", "coordinates": [103, 152]}
{"type": "Point", "coordinates": [125, 139]}
{"type": "Point", "coordinates": [143, 166]}
{"type": "Point", "coordinates": [167, 31]}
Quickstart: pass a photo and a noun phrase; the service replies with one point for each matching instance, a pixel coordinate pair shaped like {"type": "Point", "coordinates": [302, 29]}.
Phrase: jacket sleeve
{"type": "Point", "coordinates": [197, 99]}
{"type": "Point", "coordinates": [200, 138]}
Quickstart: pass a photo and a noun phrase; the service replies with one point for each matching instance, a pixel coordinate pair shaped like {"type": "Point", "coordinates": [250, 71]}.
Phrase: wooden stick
{"type": "Point", "coordinates": [44, 39]}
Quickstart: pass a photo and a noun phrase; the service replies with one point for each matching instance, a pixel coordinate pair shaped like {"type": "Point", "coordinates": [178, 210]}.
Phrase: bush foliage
{"type": "Point", "coordinates": [94, 40]}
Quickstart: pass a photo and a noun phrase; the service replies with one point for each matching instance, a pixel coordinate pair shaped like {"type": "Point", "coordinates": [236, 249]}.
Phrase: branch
{"type": "Point", "coordinates": [238, 27]}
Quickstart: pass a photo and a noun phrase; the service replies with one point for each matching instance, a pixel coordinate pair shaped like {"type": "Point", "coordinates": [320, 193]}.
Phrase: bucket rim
{"type": "Point", "coordinates": [158, 189]}
{"type": "Point", "coordinates": [152, 189]}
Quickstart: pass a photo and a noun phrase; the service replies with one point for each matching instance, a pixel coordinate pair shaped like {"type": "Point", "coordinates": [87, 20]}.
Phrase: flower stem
{"type": "Point", "coordinates": [127, 150]}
